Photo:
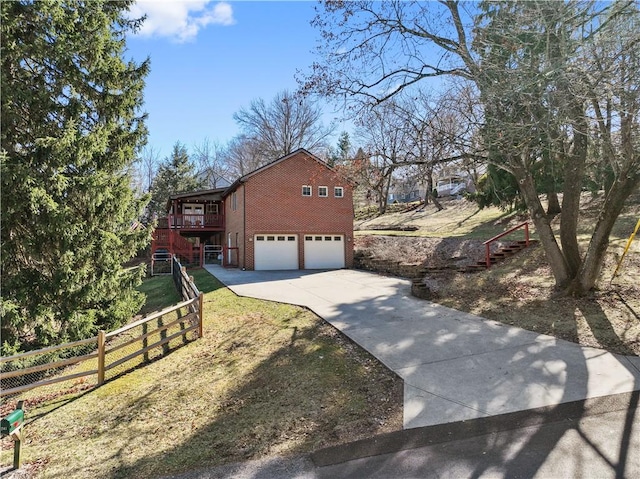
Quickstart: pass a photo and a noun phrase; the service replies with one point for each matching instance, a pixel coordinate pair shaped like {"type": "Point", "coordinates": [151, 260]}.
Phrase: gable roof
{"type": "Point", "coordinates": [244, 178]}
{"type": "Point", "coordinates": [214, 194]}
{"type": "Point", "coordinates": [189, 194]}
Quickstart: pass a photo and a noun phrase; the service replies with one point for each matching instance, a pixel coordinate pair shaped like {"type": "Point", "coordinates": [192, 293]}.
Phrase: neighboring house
{"type": "Point", "coordinates": [454, 185]}
{"type": "Point", "coordinates": [293, 213]}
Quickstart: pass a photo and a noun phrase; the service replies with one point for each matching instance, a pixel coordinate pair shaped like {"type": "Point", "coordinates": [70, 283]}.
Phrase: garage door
{"type": "Point", "coordinates": [276, 252]}
{"type": "Point", "coordinates": [323, 251]}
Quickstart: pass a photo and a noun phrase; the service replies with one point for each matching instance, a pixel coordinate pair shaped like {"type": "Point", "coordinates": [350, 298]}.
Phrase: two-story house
{"type": "Point", "coordinates": [293, 213]}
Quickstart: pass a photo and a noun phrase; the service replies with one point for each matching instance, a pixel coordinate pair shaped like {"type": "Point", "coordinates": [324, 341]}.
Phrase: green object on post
{"type": "Point", "coordinates": [12, 425]}
{"type": "Point", "coordinates": [12, 422]}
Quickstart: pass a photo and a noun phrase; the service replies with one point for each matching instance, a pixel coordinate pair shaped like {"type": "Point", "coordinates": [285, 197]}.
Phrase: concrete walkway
{"type": "Point", "coordinates": [455, 366]}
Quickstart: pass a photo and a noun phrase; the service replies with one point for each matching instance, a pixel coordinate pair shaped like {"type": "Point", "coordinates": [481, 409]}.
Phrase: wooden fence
{"type": "Point", "coordinates": [92, 361]}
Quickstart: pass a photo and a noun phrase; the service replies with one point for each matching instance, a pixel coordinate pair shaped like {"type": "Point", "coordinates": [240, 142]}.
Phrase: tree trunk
{"type": "Point", "coordinates": [553, 208]}
{"type": "Point", "coordinates": [385, 184]}
{"type": "Point", "coordinates": [429, 193]}
{"type": "Point", "coordinates": [436, 203]}
{"type": "Point", "coordinates": [573, 173]}
{"type": "Point", "coordinates": [543, 227]}
{"type": "Point", "coordinates": [594, 258]}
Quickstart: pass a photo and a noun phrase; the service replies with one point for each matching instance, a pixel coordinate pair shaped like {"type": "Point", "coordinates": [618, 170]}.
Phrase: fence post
{"type": "Point", "coordinates": [200, 315]}
{"type": "Point", "coordinates": [183, 286]}
{"type": "Point", "coordinates": [487, 256]}
{"type": "Point", "coordinates": [102, 340]}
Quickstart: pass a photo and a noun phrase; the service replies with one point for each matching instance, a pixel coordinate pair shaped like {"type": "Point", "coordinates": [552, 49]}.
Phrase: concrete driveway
{"type": "Point", "coordinates": [455, 366]}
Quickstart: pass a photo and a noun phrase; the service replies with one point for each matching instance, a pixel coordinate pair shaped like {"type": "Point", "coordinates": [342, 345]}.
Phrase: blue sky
{"type": "Point", "coordinates": [209, 59]}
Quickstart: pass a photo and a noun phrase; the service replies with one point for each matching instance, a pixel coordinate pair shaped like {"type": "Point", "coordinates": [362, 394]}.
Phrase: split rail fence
{"type": "Point", "coordinates": [90, 362]}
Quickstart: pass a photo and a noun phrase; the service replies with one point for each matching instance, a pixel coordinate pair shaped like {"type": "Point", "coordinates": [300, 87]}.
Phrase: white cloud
{"type": "Point", "coordinates": [180, 20]}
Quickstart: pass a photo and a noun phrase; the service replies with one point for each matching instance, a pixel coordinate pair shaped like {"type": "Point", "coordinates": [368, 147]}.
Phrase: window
{"type": "Point", "coordinates": [323, 191]}
{"type": "Point", "coordinates": [291, 238]}
{"type": "Point", "coordinates": [338, 192]}
{"type": "Point", "coordinates": [280, 238]}
{"type": "Point", "coordinates": [271, 238]}
{"type": "Point", "coordinates": [259, 238]}
{"type": "Point", "coordinates": [337, 238]}
{"type": "Point", "coordinates": [234, 201]}
{"type": "Point", "coordinates": [327, 238]}
{"type": "Point", "coordinates": [308, 238]}
{"type": "Point", "coordinates": [306, 190]}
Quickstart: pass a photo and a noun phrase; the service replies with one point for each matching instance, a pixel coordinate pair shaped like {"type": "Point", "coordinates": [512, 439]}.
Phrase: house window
{"type": "Point", "coordinates": [234, 201]}
{"type": "Point", "coordinates": [306, 190]}
{"type": "Point", "coordinates": [338, 192]}
{"type": "Point", "coordinates": [323, 191]}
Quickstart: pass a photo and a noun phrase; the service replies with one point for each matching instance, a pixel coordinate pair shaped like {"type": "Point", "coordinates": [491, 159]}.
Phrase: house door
{"type": "Point", "coordinates": [193, 214]}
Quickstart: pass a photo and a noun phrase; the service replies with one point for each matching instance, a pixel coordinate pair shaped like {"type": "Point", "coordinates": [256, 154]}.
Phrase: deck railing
{"type": "Point", "coordinates": [191, 221]}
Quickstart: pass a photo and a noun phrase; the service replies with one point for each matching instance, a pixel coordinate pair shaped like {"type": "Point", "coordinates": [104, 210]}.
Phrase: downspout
{"type": "Point", "coordinates": [244, 226]}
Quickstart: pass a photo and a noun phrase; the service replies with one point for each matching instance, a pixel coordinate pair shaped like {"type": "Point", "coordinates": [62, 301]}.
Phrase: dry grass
{"type": "Point", "coordinates": [266, 379]}
{"type": "Point", "coordinates": [520, 292]}
{"type": "Point", "coordinates": [460, 218]}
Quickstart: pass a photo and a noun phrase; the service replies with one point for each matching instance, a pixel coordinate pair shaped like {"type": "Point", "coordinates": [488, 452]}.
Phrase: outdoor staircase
{"type": "Point", "coordinates": [417, 273]}
{"type": "Point", "coordinates": [500, 254]}
{"type": "Point", "coordinates": [172, 242]}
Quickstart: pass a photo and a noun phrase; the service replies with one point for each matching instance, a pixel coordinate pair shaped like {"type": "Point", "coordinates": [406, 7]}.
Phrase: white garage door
{"type": "Point", "coordinates": [275, 252]}
{"type": "Point", "coordinates": [323, 251]}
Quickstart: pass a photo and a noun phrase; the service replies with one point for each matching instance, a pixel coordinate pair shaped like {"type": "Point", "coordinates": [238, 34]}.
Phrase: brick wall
{"type": "Point", "coordinates": [274, 204]}
{"type": "Point", "coordinates": [234, 217]}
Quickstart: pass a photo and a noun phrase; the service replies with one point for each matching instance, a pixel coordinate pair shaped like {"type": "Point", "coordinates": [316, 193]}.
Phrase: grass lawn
{"type": "Point", "coordinates": [459, 219]}
{"type": "Point", "coordinates": [160, 292]}
{"type": "Point", "coordinates": [267, 378]}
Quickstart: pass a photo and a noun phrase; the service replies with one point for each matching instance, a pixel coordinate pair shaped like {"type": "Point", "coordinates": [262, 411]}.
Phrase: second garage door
{"type": "Point", "coordinates": [323, 251]}
{"type": "Point", "coordinates": [276, 252]}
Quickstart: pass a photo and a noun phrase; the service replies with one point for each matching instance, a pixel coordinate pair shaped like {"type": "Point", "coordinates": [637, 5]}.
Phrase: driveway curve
{"type": "Point", "coordinates": [455, 366]}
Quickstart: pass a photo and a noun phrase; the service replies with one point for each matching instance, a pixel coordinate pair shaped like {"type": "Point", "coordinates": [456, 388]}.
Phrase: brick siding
{"type": "Point", "coordinates": [273, 203]}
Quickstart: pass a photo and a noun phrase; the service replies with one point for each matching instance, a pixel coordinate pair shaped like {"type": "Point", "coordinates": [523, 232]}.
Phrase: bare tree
{"type": "Point", "coordinates": [211, 161]}
{"type": "Point", "coordinates": [145, 169]}
{"type": "Point", "coordinates": [244, 155]}
{"type": "Point", "coordinates": [282, 126]}
{"type": "Point", "coordinates": [534, 64]}
{"type": "Point", "coordinates": [433, 133]}
{"type": "Point", "coordinates": [381, 133]}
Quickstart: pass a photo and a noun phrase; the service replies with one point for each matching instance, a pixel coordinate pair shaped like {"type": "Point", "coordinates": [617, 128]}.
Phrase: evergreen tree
{"type": "Point", "coordinates": [342, 153]}
{"type": "Point", "coordinates": [71, 127]}
{"type": "Point", "coordinates": [177, 174]}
